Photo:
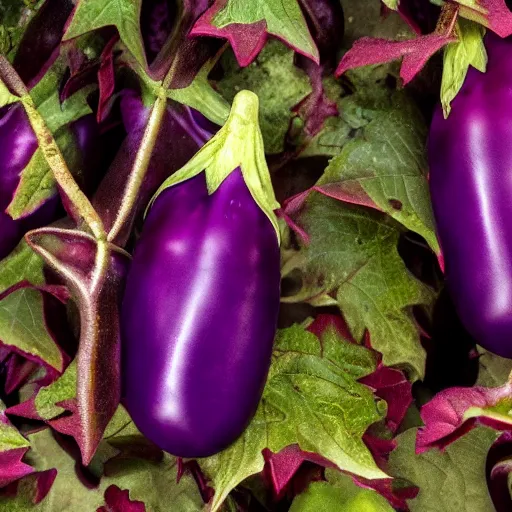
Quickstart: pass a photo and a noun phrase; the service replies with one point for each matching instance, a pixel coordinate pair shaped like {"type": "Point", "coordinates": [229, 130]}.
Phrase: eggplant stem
{"type": "Point", "coordinates": [143, 156]}
{"type": "Point", "coordinates": [52, 153]}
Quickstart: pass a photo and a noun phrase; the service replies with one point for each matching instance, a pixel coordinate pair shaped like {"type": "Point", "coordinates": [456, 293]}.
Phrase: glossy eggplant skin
{"type": "Point", "coordinates": [18, 144]}
{"type": "Point", "coordinates": [199, 316]}
{"type": "Point", "coordinates": [470, 156]}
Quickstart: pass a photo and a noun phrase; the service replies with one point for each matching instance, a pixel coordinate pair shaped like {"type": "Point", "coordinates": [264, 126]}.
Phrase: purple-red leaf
{"type": "Point", "coordinates": [415, 53]}
{"type": "Point", "coordinates": [282, 466]}
{"type": "Point", "coordinates": [246, 24]}
{"type": "Point", "coordinates": [13, 447]}
{"type": "Point", "coordinates": [493, 14]}
{"type": "Point", "coordinates": [18, 370]}
{"type": "Point", "coordinates": [117, 500]}
{"type": "Point", "coordinates": [106, 77]}
{"type": "Point", "coordinates": [31, 489]}
{"type": "Point", "coordinates": [41, 37]}
{"type": "Point", "coordinates": [455, 411]}
{"type": "Point", "coordinates": [11, 466]}
{"type": "Point", "coordinates": [316, 107]}
{"type": "Point", "coordinates": [392, 386]}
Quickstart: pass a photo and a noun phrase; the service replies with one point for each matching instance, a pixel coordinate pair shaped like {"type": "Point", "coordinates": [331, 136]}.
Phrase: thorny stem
{"type": "Point", "coordinates": [52, 152]}
{"type": "Point", "coordinates": [143, 156]}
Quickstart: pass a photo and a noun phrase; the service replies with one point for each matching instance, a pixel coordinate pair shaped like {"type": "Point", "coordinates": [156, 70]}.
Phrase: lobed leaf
{"type": "Point", "coordinates": [455, 411]}
{"type": "Point", "coordinates": [352, 257]}
{"type": "Point", "coordinates": [386, 167]}
{"type": "Point", "coordinates": [123, 14]}
{"type": "Point", "coordinates": [311, 399]}
{"type": "Point", "coordinates": [415, 53]}
{"type": "Point", "coordinates": [448, 480]}
{"type": "Point", "coordinates": [273, 66]}
{"type": "Point", "coordinates": [247, 24]}
{"type": "Point", "coordinates": [469, 50]}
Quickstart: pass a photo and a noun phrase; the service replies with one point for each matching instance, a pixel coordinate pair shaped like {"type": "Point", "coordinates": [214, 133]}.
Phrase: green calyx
{"type": "Point", "coordinates": [237, 144]}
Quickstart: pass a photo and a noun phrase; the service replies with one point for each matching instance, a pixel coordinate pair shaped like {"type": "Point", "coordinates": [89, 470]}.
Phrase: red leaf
{"type": "Point", "coordinates": [323, 322]}
{"type": "Point", "coordinates": [455, 411]}
{"type": "Point", "coordinates": [39, 485]}
{"type": "Point", "coordinates": [246, 40]}
{"type": "Point", "coordinates": [193, 468]}
{"type": "Point", "coordinates": [494, 14]}
{"type": "Point", "coordinates": [26, 409]}
{"type": "Point", "coordinates": [106, 77]}
{"type": "Point", "coordinates": [18, 370]}
{"type": "Point", "coordinates": [415, 53]}
{"type": "Point", "coordinates": [392, 386]}
{"type": "Point", "coordinates": [11, 467]}
{"type": "Point", "coordinates": [117, 500]}
{"type": "Point", "coordinates": [316, 107]}
{"type": "Point", "coordinates": [281, 467]}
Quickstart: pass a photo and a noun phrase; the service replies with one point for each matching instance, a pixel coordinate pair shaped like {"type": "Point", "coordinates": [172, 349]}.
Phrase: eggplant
{"type": "Point", "coordinates": [200, 308]}
{"type": "Point", "coordinates": [470, 157]}
{"type": "Point", "coordinates": [19, 143]}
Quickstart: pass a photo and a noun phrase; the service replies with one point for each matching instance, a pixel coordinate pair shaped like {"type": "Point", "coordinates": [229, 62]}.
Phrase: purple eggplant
{"type": "Point", "coordinates": [181, 134]}
{"type": "Point", "coordinates": [18, 143]}
{"type": "Point", "coordinates": [200, 308]}
{"type": "Point", "coordinates": [471, 186]}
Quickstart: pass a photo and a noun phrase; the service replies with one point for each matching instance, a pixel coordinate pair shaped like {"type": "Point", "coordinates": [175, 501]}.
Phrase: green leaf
{"type": "Point", "coordinates": [493, 370]}
{"type": "Point", "coordinates": [123, 14]}
{"type": "Point", "coordinates": [37, 183]}
{"type": "Point", "coordinates": [6, 98]}
{"type": "Point", "coordinates": [238, 144]}
{"type": "Point", "coordinates": [469, 50]}
{"type": "Point", "coordinates": [22, 325]}
{"type": "Point", "coordinates": [265, 77]}
{"type": "Point", "coordinates": [15, 15]}
{"type": "Point", "coordinates": [202, 96]}
{"type": "Point", "coordinates": [10, 438]}
{"type": "Point", "coordinates": [311, 398]}
{"type": "Point", "coordinates": [283, 19]}
{"type": "Point", "coordinates": [392, 4]}
{"type": "Point", "coordinates": [64, 388]}
{"type": "Point", "coordinates": [339, 494]}
{"type": "Point", "coordinates": [153, 483]}
{"type": "Point", "coordinates": [36, 186]}
{"type": "Point", "coordinates": [369, 97]}
{"type": "Point", "coordinates": [353, 257]}
{"type": "Point", "coordinates": [450, 480]}
{"type": "Point", "coordinates": [387, 166]}
{"type": "Point", "coordinates": [22, 264]}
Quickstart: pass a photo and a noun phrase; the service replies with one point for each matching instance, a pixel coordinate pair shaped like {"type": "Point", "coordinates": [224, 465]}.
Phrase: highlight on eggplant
{"type": "Point", "coordinates": [19, 143]}
{"type": "Point", "coordinates": [470, 161]}
{"type": "Point", "coordinates": [200, 309]}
